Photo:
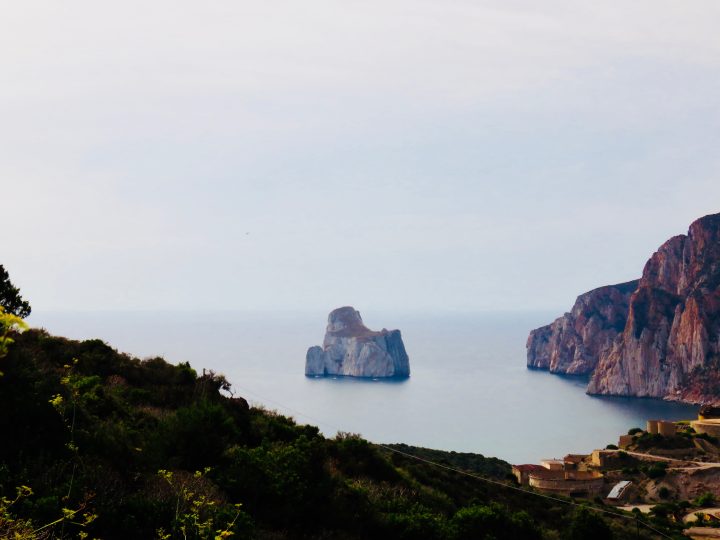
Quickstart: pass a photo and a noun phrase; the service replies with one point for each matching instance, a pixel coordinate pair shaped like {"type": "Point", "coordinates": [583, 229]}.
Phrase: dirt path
{"type": "Point", "coordinates": [689, 518]}
{"type": "Point", "coordinates": [699, 533]}
{"type": "Point", "coordinates": [683, 464]}
{"type": "Point", "coordinates": [644, 508]}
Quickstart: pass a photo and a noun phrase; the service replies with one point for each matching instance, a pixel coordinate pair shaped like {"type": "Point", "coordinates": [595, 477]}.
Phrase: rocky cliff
{"type": "Point", "coordinates": [573, 343]}
{"type": "Point", "coordinates": [668, 346]}
{"type": "Point", "coordinates": [351, 349]}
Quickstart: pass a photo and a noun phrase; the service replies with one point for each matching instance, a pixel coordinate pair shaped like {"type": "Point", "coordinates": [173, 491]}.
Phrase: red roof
{"type": "Point", "coordinates": [529, 467]}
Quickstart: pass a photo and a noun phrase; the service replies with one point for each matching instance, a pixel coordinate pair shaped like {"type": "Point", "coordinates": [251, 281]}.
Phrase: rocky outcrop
{"type": "Point", "coordinates": [351, 349]}
{"type": "Point", "coordinates": [669, 346]}
{"type": "Point", "coordinates": [573, 343]}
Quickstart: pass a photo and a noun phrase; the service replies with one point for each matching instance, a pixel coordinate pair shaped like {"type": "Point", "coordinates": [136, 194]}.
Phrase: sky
{"type": "Point", "coordinates": [399, 155]}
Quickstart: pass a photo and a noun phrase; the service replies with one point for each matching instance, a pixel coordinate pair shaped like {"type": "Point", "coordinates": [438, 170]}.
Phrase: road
{"type": "Point", "coordinates": [683, 464]}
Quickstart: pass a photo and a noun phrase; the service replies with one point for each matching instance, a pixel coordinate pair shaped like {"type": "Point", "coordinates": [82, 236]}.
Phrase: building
{"type": "Point", "coordinates": [708, 421]}
{"type": "Point", "coordinates": [522, 472]}
{"type": "Point", "coordinates": [618, 491]}
{"type": "Point", "coordinates": [602, 458]}
{"type": "Point", "coordinates": [567, 476]}
{"type": "Point", "coordinates": [661, 427]}
{"type": "Point", "coordinates": [575, 462]}
{"type": "Point", "coordinates": [553, 464]}
{"type": "Point", "coordinates": [625, 440]}
{"type": "Point", "coordinates": [570, 483]}
{"type": "Point", "coordinates": [708, 412]}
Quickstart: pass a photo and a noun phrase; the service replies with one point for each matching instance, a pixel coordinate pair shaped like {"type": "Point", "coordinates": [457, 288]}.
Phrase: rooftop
{"type": "Point", "coordinates": [618, 489]}
{"type": "Point", "coordinates": [529, 467]}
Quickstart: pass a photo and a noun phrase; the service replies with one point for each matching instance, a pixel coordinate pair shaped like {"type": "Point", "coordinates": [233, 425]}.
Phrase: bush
{"type": "Point", "coordinates": [196, 436]}
{"type": "Point", "coordinates": [611, 447]}
{"type": "Point", "coordinates": [359, 458]}
{"type": "Point", "coordinates": [664, 492]}
{"type": "Point", "coordinates": [634, 430]}
{"type": "Point", "coordinates": [648, 441]}
{"type": "Point", "coordinates": [708, 438]}
{"type": "Point", "coordinates": [656, 470]}
{"type": "Point", "coordinates": [416, 524]}
{"type": "Point", "coordinates": [588, 525]}
{"type": "Point", "coordinates": [705, 500]}
{"type": "Point", "coordinates": [493, 521]}
{"type": "Point", "coordinates": [661, 511]}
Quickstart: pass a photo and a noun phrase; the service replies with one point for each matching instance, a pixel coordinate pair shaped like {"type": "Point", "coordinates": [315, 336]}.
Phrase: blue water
{"type": "Point", "coordinates": [469, 389]}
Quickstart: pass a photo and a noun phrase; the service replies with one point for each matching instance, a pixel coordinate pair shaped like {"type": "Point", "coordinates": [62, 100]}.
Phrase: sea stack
{"type": "Point", "coordinates": [351, 349]}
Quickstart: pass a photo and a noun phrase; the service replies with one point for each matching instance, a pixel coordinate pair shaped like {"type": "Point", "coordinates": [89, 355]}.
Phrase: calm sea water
{"type": "Point", "coordinates": [469, 389]}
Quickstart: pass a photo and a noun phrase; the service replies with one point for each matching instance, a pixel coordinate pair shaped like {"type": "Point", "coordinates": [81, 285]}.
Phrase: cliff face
{"type": "Point", "coordinates": [573, 343]}
{"type": "Point", "coordinates": [351, 349]}
{"type": "Point", "coordinates": [669, 345]}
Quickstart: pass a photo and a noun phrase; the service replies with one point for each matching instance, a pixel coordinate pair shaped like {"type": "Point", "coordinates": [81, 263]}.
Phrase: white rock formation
{"type": "Point", "coordinates": [351, 349]}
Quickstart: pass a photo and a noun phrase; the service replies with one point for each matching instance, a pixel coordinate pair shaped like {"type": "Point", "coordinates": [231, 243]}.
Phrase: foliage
{"type": "Point", "coordinates": [656, 470]}
{"type": "Point", "coordinates": [647, 441]}
{"type": "Point", "coordinates": [587, 525]}
{"type": "Point", "coordinates": [668, 511]}
{"type": "Point", "coordinates": [24, 529]}
{"type": "Point", "coordinates": [196, 514]}
{"type": "Point", "coordinates": [9, 324]}
{"type": "Point", "coordinates": [90, 428]}
{"type": "Point", "coordinates": [705, 500]}
{"type": "Point", "coordinates": [709, 438]}
{"type": "Point", "coordinates": [10, 299]}
{"type": "Point", "coordinates": [634, 431]}
{"type": "Point", "coordinates": [493, 521]}
{"type": "Point", "coordinates": [10, 525]}
{"type": "Point", "coordinates": [476, 463]}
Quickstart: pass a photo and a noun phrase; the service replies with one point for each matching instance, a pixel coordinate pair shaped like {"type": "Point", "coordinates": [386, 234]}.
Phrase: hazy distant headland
{"type": "Point", "coordinates": [658, 336]}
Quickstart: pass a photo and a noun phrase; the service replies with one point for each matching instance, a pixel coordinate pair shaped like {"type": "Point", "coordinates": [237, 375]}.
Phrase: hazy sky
{"type": "Point", "coordinates": [401, 154]}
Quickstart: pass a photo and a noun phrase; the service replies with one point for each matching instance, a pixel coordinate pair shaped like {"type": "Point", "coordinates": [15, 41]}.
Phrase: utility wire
{"type": "Point", "coordinates": [460, 471]}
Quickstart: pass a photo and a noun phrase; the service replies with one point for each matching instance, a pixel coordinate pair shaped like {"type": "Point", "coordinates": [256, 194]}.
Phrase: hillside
{"type": "Point", "coordinates": [146, 449]}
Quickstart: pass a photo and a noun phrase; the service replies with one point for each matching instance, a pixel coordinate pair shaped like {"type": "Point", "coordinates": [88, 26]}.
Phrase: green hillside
{"type": "Point", "coordinates": [146, 449]}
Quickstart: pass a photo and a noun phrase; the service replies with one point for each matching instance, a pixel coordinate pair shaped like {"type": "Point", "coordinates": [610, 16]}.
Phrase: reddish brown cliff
{"type": "Point", "coordinates": [573, 343]}
{"type": "Point", "coordinates": [669, 346]}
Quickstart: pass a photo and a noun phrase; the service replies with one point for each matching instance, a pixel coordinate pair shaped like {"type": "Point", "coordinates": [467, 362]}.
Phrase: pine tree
{"type": "Point", "coordinates": [10, 298]}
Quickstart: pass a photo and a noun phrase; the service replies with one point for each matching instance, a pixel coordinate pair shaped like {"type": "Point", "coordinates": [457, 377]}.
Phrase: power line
{"type": "Point", "coordinates": [460, 471]}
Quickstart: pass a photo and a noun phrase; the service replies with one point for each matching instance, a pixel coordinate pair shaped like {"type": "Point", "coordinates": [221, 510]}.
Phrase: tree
{"type": "Point", "coordinates": [587, 525]}
{"type": "Point", "coordinates": [8, 323]}
{"type": "Point", "coordinates": [493, 522]}
{"type": "Point", "coordinates": [10, 298]}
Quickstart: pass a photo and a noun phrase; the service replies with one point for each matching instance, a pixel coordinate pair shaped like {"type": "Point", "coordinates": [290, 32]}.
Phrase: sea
{"type": "Point", "coordinates": [469, 389]}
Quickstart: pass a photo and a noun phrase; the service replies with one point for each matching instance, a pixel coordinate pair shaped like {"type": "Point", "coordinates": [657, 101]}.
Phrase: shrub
{"type": "Point", "coordinates": [656, 470]}
{"type": "Point", "coordinates": [661, 511]}
{"type": "Point", "coordinates": [196, 436]}
{"type": "Point", "coordinates": [634, 430]}
{"type": "Point", "coordinates": [704, 500]}
{"type": "Point", "coordinates": [588, 525]}
{"type": "Point", "coordinates": [417, 524]}
{"type": "Point", "coordinates": [493, 521]}
{"type": "Point", "coordinates": [708, 438]}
